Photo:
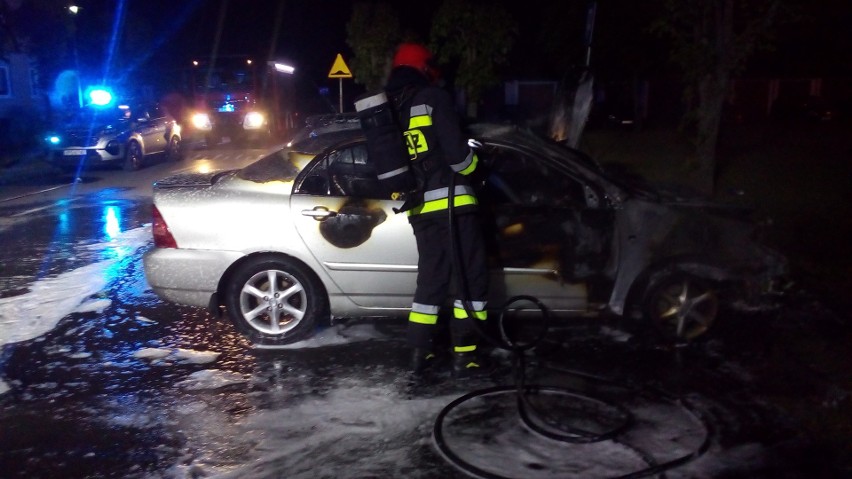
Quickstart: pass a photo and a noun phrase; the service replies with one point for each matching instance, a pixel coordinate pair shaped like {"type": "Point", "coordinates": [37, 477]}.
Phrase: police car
{"type": "Point", "coordinates": [123, 135]}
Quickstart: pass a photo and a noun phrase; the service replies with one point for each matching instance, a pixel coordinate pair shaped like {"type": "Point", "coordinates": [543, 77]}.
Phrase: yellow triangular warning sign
{"type": "Point", "coordinates": [339, 69]}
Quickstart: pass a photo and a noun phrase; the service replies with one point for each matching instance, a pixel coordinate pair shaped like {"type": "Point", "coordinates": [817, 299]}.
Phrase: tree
{"type": "Point", "coordinates": [476, 37]}
{"type": "Point", "coordinates": [8, 40]}
{"type": "Point", "coordinates": [372, 33]}
{"type": "Point", "coordinates": [40, 29]}
{"type": "Point", "coordinates": [711, 42]}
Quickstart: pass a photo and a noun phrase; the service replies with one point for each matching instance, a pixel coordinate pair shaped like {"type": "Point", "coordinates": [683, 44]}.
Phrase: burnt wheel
{"type": "Point", "coordinates": [275, 301]}
{"type": "Point", "coordinates": [681, 307]}
{"type": "Point", "coordinates": [133, 157]}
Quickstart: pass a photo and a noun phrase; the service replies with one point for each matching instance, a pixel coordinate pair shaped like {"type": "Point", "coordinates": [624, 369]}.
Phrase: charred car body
{"type": "Point", "coordinates": [123, 135]}
{"type": "Point", "coordinates": [306, 232]}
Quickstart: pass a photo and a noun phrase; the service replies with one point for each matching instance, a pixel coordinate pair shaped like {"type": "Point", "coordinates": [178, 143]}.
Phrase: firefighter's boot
{"type": "Point", "coordinates": [470, 364]}
{"type": "Point", "coordinates": [422, 359]}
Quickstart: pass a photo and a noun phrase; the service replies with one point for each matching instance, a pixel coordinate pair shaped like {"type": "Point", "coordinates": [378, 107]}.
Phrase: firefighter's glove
{"type": "Point", "coordinates": [408, 203]}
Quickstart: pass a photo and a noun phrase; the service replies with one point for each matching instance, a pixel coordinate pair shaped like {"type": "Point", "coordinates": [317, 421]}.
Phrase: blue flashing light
{"type": "Point", "coordinates": [99, 95]}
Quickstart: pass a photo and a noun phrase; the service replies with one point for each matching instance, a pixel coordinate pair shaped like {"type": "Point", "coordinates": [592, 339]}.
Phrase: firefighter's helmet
{"type": "Point", "coordinates": [416, 56]}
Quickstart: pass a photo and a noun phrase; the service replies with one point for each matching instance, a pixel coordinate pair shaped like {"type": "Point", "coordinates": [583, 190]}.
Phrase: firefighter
{"type": "Point", "coordinates": [438, 151]}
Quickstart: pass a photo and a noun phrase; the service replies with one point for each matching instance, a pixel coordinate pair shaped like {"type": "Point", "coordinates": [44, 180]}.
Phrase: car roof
{"type": "Point", "coordinates": [327, 131]}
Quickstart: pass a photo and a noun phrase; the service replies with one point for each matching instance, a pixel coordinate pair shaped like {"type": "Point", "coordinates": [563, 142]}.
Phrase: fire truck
{"type": "Point", "coordinates": [229, 102]}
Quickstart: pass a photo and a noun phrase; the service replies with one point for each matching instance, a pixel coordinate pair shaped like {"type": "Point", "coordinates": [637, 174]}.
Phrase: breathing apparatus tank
{"type": "Point", "coordinates": [385, 142]}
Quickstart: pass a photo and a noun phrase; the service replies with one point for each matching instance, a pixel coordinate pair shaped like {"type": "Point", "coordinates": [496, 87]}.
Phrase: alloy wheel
{"type": "Point", "coordinates": [682, 307]}
{"type": "Point", "coordinates": [273, 302]}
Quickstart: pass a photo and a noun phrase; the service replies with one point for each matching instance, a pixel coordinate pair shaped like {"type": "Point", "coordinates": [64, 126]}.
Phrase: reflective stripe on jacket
{"type": "Point", "coordinates": [438, 151]}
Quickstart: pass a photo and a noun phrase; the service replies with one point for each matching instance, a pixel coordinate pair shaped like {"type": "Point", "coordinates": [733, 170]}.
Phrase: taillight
{"type": "Point", "coordinates": [162, 236]}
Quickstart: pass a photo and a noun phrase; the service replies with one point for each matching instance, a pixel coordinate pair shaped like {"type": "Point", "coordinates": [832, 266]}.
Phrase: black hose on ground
{"type": "Point", "coordinates": [529, 415]}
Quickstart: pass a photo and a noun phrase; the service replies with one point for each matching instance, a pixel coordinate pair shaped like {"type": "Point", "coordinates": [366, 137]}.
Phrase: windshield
{"type": "Point", "coordinates": [98, 116]}
{"type": "Point", "coordinates": [563, 154]}
{"type": "Point", "coordinates": [101, 115]}
{"type": "Point", "coordinates": [224, 75]}
{"type": "Point", "coordinates": [222, 80]}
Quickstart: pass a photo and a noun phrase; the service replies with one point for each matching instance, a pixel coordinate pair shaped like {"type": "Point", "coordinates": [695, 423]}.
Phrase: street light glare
{"type": "Point", "coordinates": [284, 68]}
{"type": "Point", "coordinates": [74, 9]}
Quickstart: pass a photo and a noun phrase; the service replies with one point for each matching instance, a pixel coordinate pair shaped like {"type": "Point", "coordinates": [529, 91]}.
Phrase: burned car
{"type": "Point", "coordinates": [124, 135]}
{"type": "Point", "coordinates": [305, 233]}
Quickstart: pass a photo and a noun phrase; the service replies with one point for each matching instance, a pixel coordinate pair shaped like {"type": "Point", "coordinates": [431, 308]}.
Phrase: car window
{"type": "Point", "coordinates": [517, 178]}
{"type": "Point", "coordinates": [155, 112]}
{"type": "Point", "coordinates": [344, 172]}
{"type": "Point", "coordinates": [274, 167]}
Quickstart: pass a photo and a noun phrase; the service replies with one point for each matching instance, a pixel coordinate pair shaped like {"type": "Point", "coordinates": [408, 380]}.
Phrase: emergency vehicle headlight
{"type": "Point", "coordinates": [201, 121]}
{"type": "Point", "coordinates": [53, 139]}
{"type": "Point", "coordinates": [253, 120]}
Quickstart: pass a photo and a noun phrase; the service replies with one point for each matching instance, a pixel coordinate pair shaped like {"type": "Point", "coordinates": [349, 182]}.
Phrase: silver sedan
{"type": "Point", "coordinates": [306, 233]}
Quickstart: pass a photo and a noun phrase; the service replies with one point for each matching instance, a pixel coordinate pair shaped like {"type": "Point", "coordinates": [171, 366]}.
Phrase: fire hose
{"type": "Point", "coordinates": [531, 417]}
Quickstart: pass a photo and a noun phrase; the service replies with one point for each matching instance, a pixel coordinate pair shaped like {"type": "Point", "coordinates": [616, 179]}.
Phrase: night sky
{"type": "Point", "coordinates": [160, 36]}
{"type": "Point", "coordinates": [312, 32]}
{"type": "Point", "coordinates": [309, 33]}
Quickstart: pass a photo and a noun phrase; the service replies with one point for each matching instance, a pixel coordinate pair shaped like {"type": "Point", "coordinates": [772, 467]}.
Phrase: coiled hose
{"type": "Point", "coordinates": [529, 415]}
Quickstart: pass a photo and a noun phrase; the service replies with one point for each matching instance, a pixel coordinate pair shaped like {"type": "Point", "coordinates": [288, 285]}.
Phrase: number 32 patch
{"type": "Point", "coordinates": [416, 142]}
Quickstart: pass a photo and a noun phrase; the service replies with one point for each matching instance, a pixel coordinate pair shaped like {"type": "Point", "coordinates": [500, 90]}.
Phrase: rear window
{"type": "Point", "coordinates": [275, 167]}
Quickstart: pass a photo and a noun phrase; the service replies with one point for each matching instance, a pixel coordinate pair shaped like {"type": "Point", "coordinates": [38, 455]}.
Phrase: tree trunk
{"type": "Point", "coordinates": [472, 109]}
{"type": "Point", "coordinates": [712, 90]}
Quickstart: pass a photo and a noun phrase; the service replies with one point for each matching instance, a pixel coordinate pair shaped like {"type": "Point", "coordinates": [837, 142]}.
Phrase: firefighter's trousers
{"type": "Point", "coordinates": [436, 275]}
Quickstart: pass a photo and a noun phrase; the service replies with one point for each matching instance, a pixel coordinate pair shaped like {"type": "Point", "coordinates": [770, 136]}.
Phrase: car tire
{"type": "Point", "coordinates": [680, 307]}
{"type": "Point", "coordinates": [174, 151]}
{"type": "Point", "coordinates": [133, 156]}
{"type": "Point", "coordinates": [275, 301]}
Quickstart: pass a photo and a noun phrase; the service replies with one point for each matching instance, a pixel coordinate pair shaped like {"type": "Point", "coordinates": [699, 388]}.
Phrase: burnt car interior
{"type": "Point", "coordinates": [344, 172]}
{"type": "Point", "coordinates": [530, 202]}
{"type": "Point", "coordinates": [353, 175]}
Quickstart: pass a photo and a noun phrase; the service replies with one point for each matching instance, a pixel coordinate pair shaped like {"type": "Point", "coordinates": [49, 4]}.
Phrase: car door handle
{"type": "Point", "coordinates": [319, 213]}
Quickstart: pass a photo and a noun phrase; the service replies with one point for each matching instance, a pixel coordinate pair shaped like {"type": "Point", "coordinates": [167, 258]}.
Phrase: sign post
{"type": "Point", "coordinates": [340, 71]}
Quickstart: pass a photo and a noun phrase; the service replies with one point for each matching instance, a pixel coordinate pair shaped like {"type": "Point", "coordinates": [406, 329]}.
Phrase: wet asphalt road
{"type": "Point", "coordinates": [83, 403]}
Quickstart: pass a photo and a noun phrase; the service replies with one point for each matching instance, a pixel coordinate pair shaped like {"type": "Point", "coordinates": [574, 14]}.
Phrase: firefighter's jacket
{"type": "Point", "coordinates": [435, 144]}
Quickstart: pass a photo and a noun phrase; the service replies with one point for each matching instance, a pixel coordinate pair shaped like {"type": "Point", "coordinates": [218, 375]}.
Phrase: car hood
{"type": "Point", "coordinates": [94, 127]}
{"type": "Point", "coordinates": [687, 198]}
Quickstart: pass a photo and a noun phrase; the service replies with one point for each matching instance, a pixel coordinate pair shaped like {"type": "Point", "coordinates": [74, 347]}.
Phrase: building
{"type": "Point", "coordinates": [23, 107]}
